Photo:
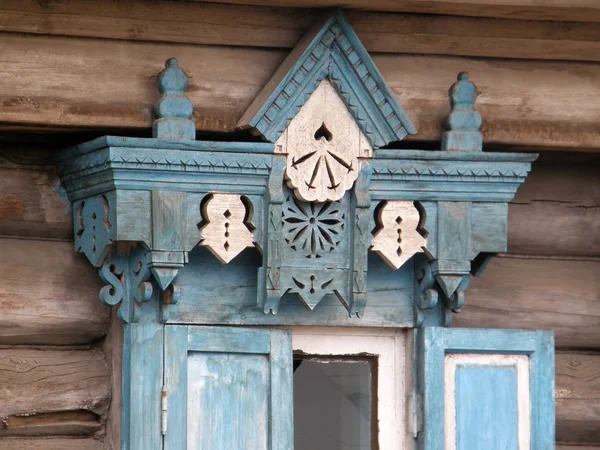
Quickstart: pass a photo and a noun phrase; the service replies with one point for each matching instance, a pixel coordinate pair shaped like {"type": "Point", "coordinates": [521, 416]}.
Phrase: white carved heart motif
{"type": "Point", "coordinates": [324, 146]}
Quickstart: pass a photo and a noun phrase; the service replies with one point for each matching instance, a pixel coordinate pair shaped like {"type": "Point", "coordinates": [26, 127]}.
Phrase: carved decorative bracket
{"type": "Point", "coordinates": [313, 199]}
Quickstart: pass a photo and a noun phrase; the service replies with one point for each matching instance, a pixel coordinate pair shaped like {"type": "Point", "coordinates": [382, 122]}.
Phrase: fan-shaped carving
{"type": "Point", "coordinates": [324, 146]}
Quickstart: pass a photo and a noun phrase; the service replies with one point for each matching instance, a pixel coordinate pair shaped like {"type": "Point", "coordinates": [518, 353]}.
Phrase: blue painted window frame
{"type": "Point", "coordinates": [433, 343]}
{"type": "Point", "coordinates": [180, 340]}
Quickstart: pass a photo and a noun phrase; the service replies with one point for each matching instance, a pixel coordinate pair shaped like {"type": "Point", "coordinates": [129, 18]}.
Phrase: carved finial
{"type": "Point", "coordinates": [463, 122]}
{"type": "Point", "coordinates": [173, 110]}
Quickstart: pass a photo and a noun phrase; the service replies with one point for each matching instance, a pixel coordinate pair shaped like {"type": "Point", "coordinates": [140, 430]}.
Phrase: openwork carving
{"type": "Point", "coordinates": [324, 144]}
{"type": "Point", "coordinates": [312, 285]}
{"type": "Point", "coordinates": [401, 234]}
{"type": "Point", "coordinates": [126, 275]}
{"type": "Point", "coordinates": [93, 228]}
{"type": "Point", "coordinates": [313, 229]}
{"type": "Point", "coordinates": [224, 230]}
{"type": "Point", "coordinates": [136, 199]}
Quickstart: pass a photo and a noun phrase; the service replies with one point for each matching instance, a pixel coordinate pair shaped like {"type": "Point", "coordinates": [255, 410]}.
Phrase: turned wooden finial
{"type": "Point", "coordinates": [173, 110]}
{"type": "Point", "coordinates": [464, 122]}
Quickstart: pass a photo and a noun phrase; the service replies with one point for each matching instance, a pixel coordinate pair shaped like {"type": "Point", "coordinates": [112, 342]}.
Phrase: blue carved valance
{"type": "Point", "coordinates": [321, 200]}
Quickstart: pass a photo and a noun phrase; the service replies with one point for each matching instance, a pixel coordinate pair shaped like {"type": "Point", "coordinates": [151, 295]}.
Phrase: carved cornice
{"type": "Point", "coordinates": [141, 205]}
{"type": "Point", "coordinates": [112, 162]}
{"type": "Point", "coordinates": [449, 176]}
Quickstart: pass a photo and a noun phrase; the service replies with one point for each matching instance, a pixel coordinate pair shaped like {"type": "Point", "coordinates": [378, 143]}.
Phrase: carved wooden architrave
{"type": "Point", "coordinates": [313, 199]}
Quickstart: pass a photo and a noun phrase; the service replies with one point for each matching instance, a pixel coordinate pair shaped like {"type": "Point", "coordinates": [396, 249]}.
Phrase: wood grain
{"type": "Point", "coordinates": [42, 381]}
{"type": "Point", "coordinates": [557, 211]}
{"type": "Point", "coordinates": [50, 444]}
{"type": "Point", "coordinates": [48, 295]}
{"type": "Point", "coordinates": [68, 423]}
{"type": "Point", "coordinates": [578, 397]}
{"type": "Point", "coordinates": [72, 83]}
{"type": "Point", "coordinates": [575, 447]}
{"type": "Point", "coordinates": [523, 293]}
{"type": "Point", "coordinates": [217, 24]}
{"type": "Point", "coordinates": [579, 10]}
{"type": "Point", "coordinates": [113, 350]}
{"type": "Point", "coordinates": [32, 195]}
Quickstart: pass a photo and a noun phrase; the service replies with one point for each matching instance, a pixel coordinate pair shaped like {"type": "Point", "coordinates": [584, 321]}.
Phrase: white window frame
{"type": "Point", "coordinates": [394, 370]}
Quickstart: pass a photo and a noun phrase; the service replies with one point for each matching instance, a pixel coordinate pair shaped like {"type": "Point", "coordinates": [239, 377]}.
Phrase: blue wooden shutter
{"type": "Point", "coordinates": [486, 389]}
{"type": "Point", "coordinates": [228, 388]}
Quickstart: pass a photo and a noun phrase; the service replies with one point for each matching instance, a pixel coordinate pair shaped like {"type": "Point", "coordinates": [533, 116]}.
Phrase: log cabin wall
{"type": "Point", "coordinates": [62, 82]}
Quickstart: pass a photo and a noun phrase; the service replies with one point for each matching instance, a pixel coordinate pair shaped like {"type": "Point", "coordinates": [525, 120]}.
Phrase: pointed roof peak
{"type": "Point", "coordinates": [329, 50]}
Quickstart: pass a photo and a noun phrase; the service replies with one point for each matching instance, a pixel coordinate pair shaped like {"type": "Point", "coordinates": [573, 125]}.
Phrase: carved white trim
{"type": "Point", "coordinates": [324, 145]}
{"type": "Point", "coordinates": [225, 233]}
{"type": "Point", "coordinates": [398, 239]}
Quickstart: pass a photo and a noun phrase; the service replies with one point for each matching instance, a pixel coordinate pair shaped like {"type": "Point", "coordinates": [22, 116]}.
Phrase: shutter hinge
{"type": "Point", "coordinates": [163, 412]}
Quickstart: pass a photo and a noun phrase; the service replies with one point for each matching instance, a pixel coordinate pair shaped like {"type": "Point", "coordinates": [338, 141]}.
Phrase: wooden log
{"type": "Point", "coordinates": [48, 295]}
{"type": "Point", "coordinates": [217, 24]}
{"type": "Point", "coordinates": [69, 423]}
{"type": "Point", "coordinates": [62, 82]}
{"type": "Point", "coordinates": [557, 211]}
{"type": "Point", "coordinates": [578, 10]}
{"type": "Point", "coordinates": [50, 444]}
{"type": "Point", "coordinates": [578, 398]}
{"type": "Point", "coordinates": [44, 381]}
{"type": "Point", "coordinates": [559, 295]}
{"type": "Point", "coordinates": [575, 447]}
{"type": "Point", "coordinates": [33, 202]}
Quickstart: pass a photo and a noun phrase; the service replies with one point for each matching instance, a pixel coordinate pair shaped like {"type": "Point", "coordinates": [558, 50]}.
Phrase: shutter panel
{"type": "Point", "coordinates": [486, 389]}
{"type": "Point", "coordinates": [228, 388]}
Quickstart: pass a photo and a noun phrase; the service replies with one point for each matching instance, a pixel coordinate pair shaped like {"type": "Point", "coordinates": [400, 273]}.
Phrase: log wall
{"type": "Point", "coordinates": [548, 280]}
{"type": "Point", "coordinates": [90, 68]}
{"type": "Point", "coordinates": [531, 93]}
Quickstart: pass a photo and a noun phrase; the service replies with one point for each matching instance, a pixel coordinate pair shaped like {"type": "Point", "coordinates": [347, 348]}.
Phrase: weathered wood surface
{"type": "Point", "coordinates": [69, 423]}
{"type": "Point", "coordinates": [580, 10]}
{"type": "Point", "coordinates": [578, 397]}
{"type": "Point", "coordinates": [50, 444]}
{"type": "Point", "coordinates": [33, 202]}
{"type": "Point", "coordinates": [48, 295]}
{"type": "Point", "coordinates": [575, 447]}
{"type": "Point", "coordinates": [557, 211]}
{"type": "Point", "coordinates": [64, 82]}
{"type": "Point", "coordinates": [217, 24]}
{"type": "Point", "coordinates": [43, 381]}
{"type": "Point", "coordinates": [563, 295]}
{"type": "Point", "coordinates": [559, 295]}
{"type": "Point", "coordinates": [113, 350]}
{"type": "Point", "coordinates": [557, 196]}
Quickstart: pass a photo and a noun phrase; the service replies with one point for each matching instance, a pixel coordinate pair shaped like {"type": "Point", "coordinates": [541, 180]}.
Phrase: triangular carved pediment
{"type": "Point", "coordinates": [330, 50]}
